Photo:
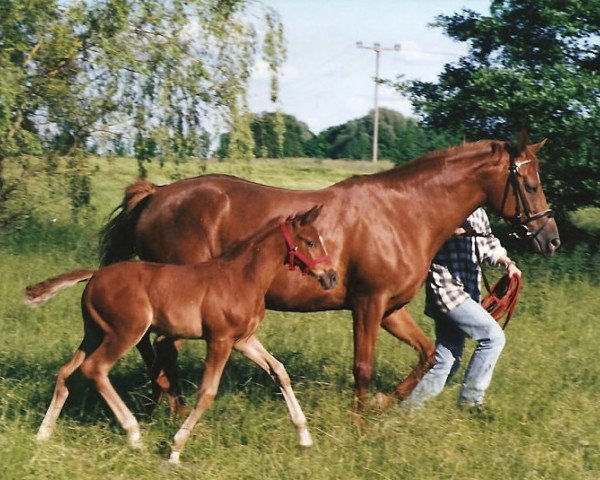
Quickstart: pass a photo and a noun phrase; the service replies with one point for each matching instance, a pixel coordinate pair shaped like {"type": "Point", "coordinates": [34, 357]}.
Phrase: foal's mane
{"type": "Point", "coordinates": [255, 237]}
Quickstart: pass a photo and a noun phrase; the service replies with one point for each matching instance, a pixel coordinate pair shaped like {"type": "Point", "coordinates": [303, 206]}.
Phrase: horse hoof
{"type": "Point", "coordinates": [135, 440]}
{"type": "Point", "coordinates": [359, 421]}
{"type": "Point", "coordinates": [305, 439]}
{"type": "Point", "coordinates": [382, 402]}
{"type": "Point", "coordinates": [42, 436]}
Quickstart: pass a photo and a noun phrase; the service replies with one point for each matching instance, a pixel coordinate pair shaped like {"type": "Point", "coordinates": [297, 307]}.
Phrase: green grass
{"type": "Point", "coordinates": [544, 393]}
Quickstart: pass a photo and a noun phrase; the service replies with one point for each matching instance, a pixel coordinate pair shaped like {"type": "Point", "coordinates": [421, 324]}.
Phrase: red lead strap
{"type": "Point", "coordinates": [293, 253]}
{"type": "Point", "coordinates": [502, 298]}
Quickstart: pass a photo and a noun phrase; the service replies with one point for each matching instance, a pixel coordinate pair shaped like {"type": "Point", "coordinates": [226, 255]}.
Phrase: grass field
{"type": "Point", "coordinates": [544, 394]}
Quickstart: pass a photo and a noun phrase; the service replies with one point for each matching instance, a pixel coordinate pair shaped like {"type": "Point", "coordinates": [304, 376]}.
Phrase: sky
{"type": "Point", "coordinates": [327, 80]}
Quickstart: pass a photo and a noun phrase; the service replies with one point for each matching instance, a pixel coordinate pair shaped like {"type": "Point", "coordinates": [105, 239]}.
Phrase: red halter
{"type": "Point", "coordinates": [293, 253]}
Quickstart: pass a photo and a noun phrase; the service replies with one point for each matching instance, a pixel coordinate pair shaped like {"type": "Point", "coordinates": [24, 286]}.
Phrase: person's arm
{"type": "Point", "coordinates": [511, 267]}
{"type": "Point", "coordinates": [490, 247]}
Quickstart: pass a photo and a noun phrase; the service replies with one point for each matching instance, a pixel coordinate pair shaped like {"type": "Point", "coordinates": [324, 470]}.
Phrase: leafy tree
{"type": "Point", "coordinates": [400, 138]}
{"type": "Point", "coordinates": [532, 64]}
{"type": "Point", "coordinates": [275, 135]}
{"type": "Point", "coordinates": [147, 75]}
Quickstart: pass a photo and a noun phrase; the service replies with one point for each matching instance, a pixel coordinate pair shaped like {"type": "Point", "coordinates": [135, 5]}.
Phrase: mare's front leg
{"type": "Point", "coordinates": [255, 351]}
{"type": "Point", "coordinates": [401, 325]}
{"type": "Point", "coordinates": [217, 354]}
{"type": "Point", "coordinates": [367, 313]}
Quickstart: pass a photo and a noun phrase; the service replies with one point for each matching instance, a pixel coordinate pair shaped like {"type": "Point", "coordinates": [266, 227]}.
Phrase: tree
{"type": "Point", "coordinates": [274, 135]}
{"type": "Point", "coordinates": [151, 75]}
{"type": "Point", "coordinates": [400, 138]}
{"type": "Point", "coordinates": [532, 64]}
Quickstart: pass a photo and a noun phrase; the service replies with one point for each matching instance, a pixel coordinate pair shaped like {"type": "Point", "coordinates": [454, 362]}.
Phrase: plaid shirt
{"type": "Point", "coordinates": [455, 274]}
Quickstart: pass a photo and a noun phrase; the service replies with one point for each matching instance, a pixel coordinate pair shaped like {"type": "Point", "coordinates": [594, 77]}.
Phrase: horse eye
{"type": "Point", "coordinates": [530, 188]}
{"type": "Point", "coordinates": [311, 244]}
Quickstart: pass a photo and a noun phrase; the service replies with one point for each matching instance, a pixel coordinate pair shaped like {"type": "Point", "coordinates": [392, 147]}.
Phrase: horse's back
{"type": "Point", "coordinates": [197, 219]}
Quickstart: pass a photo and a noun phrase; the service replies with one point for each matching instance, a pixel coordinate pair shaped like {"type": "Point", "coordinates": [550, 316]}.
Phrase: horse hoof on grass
{"type": "Point", "coordinates": [382, 402]}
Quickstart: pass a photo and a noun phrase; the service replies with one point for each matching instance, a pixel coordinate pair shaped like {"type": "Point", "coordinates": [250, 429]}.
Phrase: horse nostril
{"type": "Point", "coordinates": [329, 279]}
{"type": "Point", "coordinates": [554, 244]}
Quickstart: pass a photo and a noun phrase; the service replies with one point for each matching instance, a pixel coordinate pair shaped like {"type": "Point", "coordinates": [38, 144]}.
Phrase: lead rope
{"type": "Point", "coordinates": [501, 299]}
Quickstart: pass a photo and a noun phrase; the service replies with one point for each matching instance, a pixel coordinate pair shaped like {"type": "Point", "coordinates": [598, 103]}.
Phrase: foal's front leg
{"type": "Point", "coordinates": [217, 354]}
{"type": "Point", "coordinates": [255, 351]}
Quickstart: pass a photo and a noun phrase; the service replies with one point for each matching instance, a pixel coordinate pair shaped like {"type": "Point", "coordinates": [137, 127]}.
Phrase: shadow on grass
{"type": "Point", "coordinates": [33, 384]}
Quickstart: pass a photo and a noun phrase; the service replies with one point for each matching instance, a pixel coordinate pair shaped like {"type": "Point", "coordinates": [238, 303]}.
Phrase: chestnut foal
{"type": "Point", "coordinates": [221, 301]}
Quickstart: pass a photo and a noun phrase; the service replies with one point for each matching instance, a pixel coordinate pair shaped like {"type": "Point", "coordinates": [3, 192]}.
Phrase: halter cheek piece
{"type": "Point", "coordinates": [522, 205]}
{"type": "Point", "coordinates": [294, 253]}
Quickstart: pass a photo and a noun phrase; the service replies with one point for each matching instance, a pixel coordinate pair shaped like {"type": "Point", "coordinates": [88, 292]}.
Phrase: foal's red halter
{"type": "Point", "coordinates": [294, 253]}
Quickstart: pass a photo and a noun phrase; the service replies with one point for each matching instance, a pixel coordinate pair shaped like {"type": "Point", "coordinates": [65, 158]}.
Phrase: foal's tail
{"type": "Point", "coordinates": [117, 237]}
{"type": "Point", "coordinates": [43, 291]}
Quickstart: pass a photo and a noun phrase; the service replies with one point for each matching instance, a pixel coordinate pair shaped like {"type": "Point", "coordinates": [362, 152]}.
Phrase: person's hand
{"type": "Point", "coordinates": [459, 231]}
{"type": "Point", "coordinates": [512, 269]}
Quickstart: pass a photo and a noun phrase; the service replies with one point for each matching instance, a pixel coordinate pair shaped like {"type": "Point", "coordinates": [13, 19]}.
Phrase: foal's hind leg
{"type": "Point", "coordinates": [217, 354]}
{"type": "Point", "coordinates": [61, 392]}
{"type": "Point", "coordinates": [96, 368]}
{"type": "Point", "coordinates": [255, 351]}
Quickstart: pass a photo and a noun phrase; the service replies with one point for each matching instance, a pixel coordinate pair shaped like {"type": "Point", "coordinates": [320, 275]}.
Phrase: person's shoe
{"type": "Point", "coordinates": [478, 411]}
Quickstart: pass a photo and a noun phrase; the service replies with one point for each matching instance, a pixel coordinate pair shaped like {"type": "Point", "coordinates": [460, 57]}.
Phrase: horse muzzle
{"type": "Point", "coordinates": [328, 279]}
{"type": "Point", "coordinates": [546, 240]}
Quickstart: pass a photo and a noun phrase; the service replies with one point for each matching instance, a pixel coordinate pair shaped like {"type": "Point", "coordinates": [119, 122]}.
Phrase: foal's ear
{"type": "Point", "coordinates": [310, 216]}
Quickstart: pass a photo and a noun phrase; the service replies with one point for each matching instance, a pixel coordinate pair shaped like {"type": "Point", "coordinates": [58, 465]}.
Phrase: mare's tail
{"type": "Point", "coordinates": [117, 237]}
{"type": "Point", "coordinates": [43, 291]}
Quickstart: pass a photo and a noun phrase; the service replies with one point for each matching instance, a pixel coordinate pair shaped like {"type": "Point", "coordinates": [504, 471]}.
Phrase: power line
{"type": "Point", "coordinates": [377, 48]}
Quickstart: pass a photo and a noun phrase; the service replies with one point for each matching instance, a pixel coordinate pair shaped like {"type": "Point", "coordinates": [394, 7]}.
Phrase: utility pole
{"type": "Point", "coordinates": [377, 48]}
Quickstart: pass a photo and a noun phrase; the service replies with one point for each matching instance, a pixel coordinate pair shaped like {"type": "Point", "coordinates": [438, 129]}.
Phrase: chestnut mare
{"type": "Point", "coordinates": [382, 231]}
{"type": "Point", "coordinates": [221, 300]}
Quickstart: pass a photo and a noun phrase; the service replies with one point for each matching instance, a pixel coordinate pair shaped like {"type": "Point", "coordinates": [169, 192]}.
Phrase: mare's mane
{"type": "Point", "coordinates": [433, 159]}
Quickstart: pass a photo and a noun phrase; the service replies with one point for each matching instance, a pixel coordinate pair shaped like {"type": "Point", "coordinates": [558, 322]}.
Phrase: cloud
{"type": "Point", "coordinates": [261, 71]}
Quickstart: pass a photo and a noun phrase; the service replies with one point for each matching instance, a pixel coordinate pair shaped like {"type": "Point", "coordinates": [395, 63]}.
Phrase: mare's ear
{"type": "Point", "coordinates": [536, 146]}
{"type": "Point", "coordinates": [310, 216]}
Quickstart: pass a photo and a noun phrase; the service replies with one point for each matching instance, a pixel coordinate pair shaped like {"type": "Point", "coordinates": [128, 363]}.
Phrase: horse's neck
{"type": "Point", "coordinates": [446, 191]}
{"type": "Point", "coordinates": [260, 261]}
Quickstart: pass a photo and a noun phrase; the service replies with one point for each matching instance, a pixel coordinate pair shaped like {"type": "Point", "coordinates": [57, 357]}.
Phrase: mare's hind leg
{"type": "Point", "coordinates": [61, 392]}
{"type": "Point", "coordinates": [217, 354]}
{"type": "Point", "coordinates": [161, 363]}
{"type": "Point", "coordinates": [402, 326]}
{"type": "Point", "coordinates": [96, 367]}
{"type": "Point", "coordinates": [166, 374]}
{"type": "Point", "coordinates": [255, 351]}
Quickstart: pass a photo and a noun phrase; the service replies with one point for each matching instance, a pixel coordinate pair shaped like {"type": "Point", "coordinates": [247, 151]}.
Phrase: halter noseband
{"type": "Point", "coordinates": [294, 253]}
{"type": "Point", "coordinates": [522, 205]}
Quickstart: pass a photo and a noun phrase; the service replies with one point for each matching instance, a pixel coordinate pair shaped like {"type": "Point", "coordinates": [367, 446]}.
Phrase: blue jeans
{"type": "Point", "coordinates": [451, 329]}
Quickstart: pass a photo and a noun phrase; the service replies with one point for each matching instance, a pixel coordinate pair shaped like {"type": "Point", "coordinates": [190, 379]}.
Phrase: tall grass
{"type": "Point", "coordinates": [544, 394]}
